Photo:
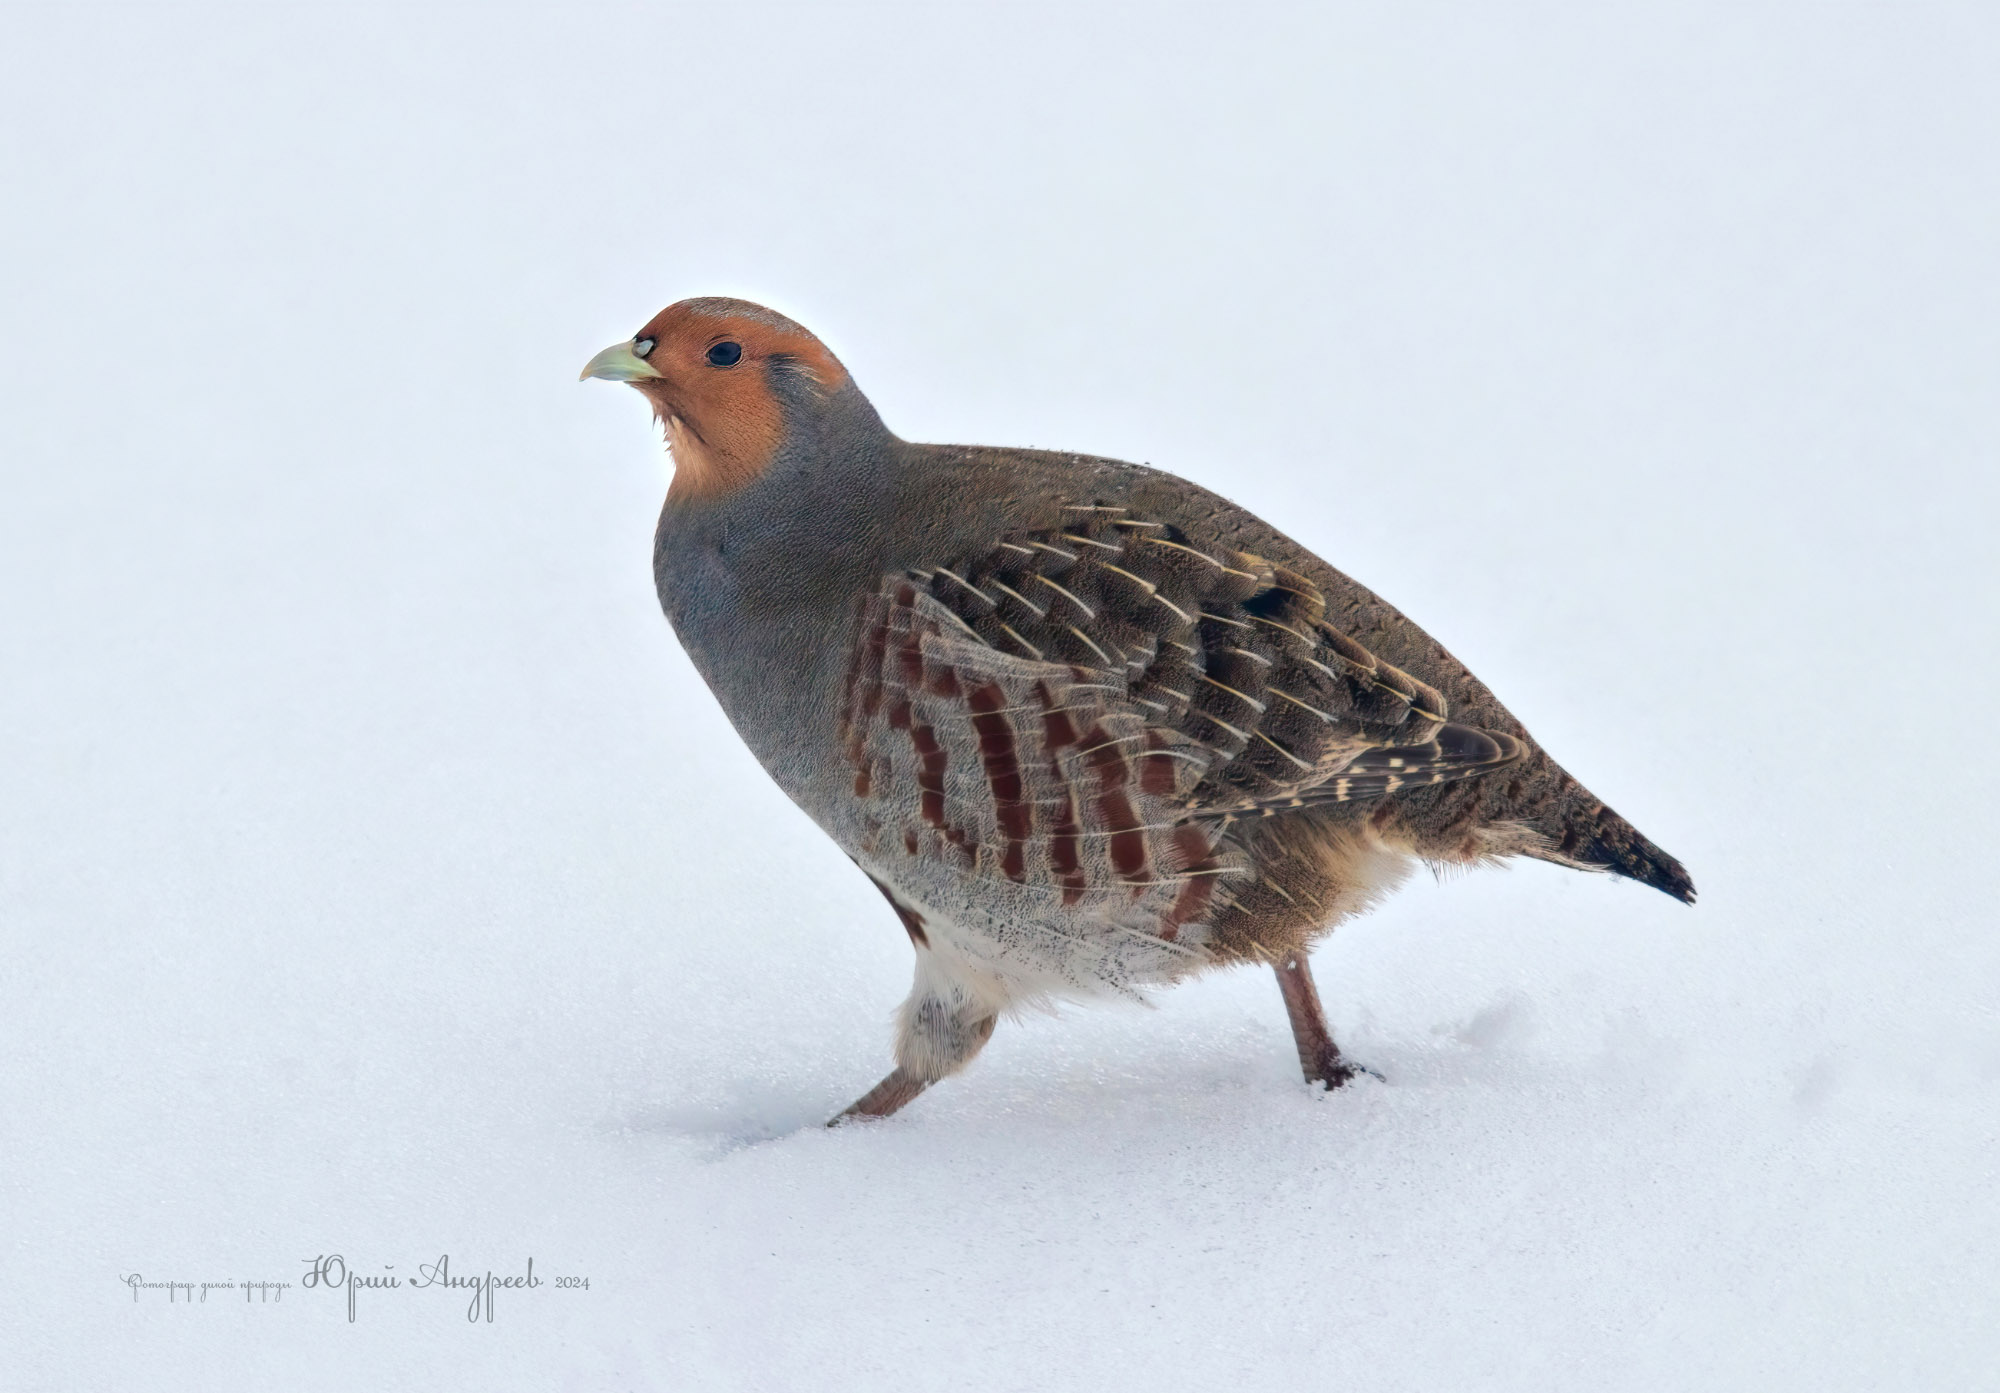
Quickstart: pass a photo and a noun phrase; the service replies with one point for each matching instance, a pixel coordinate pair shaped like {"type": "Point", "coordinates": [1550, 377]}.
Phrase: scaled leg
{"type": "Point", "coordinates": [884, 1098]}
{"type": "Point", "coordinates": [1319, 1057]}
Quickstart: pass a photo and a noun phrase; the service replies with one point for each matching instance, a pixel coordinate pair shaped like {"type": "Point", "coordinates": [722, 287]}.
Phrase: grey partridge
{"type": "Point", "coordinates": [1088, 727]}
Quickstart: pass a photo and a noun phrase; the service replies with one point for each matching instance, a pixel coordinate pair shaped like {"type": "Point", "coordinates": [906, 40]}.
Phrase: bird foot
{"type": "Point", "coordinates": [1340, 1071]}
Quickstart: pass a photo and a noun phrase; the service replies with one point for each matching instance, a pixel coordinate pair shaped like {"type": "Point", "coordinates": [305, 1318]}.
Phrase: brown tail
{"type": "Point", "coordinates": [1590, 835]}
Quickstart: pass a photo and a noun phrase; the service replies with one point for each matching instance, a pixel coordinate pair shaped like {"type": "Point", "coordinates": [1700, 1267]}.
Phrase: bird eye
{"type": "Point", "coordinates": [642, 347]}
{"type": "Point", "coordinates": [725, 355]}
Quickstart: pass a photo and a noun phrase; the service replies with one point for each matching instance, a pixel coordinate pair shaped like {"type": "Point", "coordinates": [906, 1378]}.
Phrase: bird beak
{"type": "Point", "coordinates": [618, 363]}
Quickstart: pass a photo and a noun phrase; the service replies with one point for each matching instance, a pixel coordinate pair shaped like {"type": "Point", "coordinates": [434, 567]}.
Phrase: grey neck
{"type": "Point", "coordinates": [760, 584]}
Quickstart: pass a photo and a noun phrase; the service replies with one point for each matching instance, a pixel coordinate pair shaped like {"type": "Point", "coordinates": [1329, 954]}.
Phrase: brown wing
{"type": "Point", "coordinates": [1226, 650]}
{"type": "Point", "coordinates": [1091, 707]}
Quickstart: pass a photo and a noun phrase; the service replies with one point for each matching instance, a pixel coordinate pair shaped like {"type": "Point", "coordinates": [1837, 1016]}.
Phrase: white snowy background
{"type": "Point", "coordinates": [377, 878]}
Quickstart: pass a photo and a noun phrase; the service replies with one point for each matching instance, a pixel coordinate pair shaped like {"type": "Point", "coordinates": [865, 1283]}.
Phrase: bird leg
{"type": "Point", "coordinates": [937, 1039]}
{"type": "Point", "coordinates": [938, 1030]}
{"type": "Point", "coordinates": [1319, 1057]}
{"type": "Point", "coordinates": [885, 1097]}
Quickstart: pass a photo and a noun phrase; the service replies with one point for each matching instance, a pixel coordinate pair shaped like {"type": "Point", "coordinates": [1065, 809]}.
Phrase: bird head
{"type": "Point", "coordinates": [721, 375]}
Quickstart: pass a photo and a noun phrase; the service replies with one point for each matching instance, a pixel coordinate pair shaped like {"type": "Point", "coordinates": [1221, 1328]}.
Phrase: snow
{"type": "Point", "coordinates": [376, 878]}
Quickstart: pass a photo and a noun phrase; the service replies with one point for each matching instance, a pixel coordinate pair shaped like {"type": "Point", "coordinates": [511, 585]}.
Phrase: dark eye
{"type": "Point", "coordinates": [725, 355]}
{"type": "Point", "coordinates": [642, 346]}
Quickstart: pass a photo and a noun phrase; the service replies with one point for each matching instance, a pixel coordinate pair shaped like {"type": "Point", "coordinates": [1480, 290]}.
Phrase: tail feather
{"type": "Point", "coordinates": [1593, 837]}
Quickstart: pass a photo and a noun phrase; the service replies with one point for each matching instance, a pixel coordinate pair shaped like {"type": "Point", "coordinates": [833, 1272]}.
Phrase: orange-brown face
{"type": "Point", "coordinates": [708, 367]}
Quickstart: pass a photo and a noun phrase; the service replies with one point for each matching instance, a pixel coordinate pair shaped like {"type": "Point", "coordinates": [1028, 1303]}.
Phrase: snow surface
{"type": "Point", "coordinates": [377, 878]}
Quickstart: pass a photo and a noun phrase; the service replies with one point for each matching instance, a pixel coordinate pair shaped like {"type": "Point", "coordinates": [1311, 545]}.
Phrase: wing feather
{"type": "Point", "coordinates": [1088, 709]}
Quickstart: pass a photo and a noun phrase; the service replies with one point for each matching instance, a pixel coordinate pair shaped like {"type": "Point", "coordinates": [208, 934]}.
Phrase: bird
{"type": "Point", "coordinates": [1089, 728]}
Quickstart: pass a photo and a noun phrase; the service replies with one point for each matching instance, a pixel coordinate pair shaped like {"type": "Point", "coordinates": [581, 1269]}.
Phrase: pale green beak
{"type": "Point", "coordinates": [618, 363]}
